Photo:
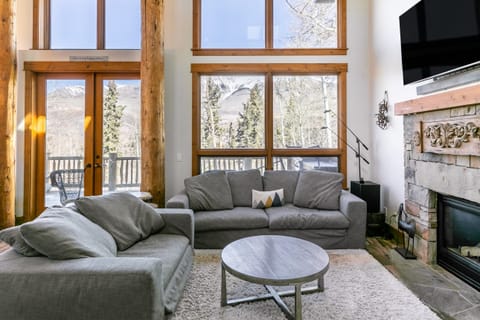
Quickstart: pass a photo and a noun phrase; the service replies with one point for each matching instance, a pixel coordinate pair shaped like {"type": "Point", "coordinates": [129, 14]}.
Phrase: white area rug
{"type": "Point", "coordinates": [356, 287]}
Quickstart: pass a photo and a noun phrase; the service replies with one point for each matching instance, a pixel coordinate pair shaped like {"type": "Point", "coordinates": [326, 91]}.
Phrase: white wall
{"type": "Point", "coordinates": [178, 83]}
{"type": "Point", "coordinates": [178, 98]}
{"type": "Point", "coordinates": [386, 74]}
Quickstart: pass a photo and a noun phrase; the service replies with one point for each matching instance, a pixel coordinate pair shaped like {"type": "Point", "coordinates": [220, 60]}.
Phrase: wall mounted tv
{"type": "Point", "coordinates": [438, 36]}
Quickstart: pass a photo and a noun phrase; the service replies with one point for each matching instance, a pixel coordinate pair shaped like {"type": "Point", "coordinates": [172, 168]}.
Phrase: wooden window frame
{"type": "Point", "coordinates": [44, 32]}
{"type": "Point", "coordinates": [270, 70]}
{"type": "Point", "coordinates": [33, 124]}
{"type": "Point", "coordinates": [341, 49]}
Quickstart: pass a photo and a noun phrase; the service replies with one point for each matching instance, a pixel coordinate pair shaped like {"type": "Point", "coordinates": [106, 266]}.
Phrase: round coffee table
{"type": "Point", "coordinates": [275, 261]}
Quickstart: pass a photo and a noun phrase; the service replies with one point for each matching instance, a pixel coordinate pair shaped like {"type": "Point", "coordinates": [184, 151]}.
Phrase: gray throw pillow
{"type": "Point", "coordinates": [60, 233]}
{"type": "Point", "coordinates": [318, 190]}
{"type": "Point", "coordinates": [127, 218]}
{"type": "Point", "coordinates": [14, 238]}
{"type": "Point", "coordinates": [281, 179]}
{"type": "Point", "coordinates": [209, 191]}
{"type": "Point", "coordinates": [242, 183]}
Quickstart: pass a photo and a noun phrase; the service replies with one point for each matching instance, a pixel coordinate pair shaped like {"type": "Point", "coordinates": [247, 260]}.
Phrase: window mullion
{"type": "Point", "coordinates": [100, 24]}
{"type": "Point", "coordinates": [268, 24]}
{"type": "Point", "coordinates": [269, 119]}
{"type": "Point", "coordinates": [46, 25]}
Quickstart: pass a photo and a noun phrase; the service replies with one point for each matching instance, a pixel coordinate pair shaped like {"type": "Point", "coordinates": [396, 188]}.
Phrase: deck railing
{"type": "Point", "coordinates": [118, 171]}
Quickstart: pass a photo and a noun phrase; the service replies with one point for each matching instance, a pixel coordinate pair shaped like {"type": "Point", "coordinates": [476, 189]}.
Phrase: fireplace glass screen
{"type": "Point", "coordinates": [459, 237]}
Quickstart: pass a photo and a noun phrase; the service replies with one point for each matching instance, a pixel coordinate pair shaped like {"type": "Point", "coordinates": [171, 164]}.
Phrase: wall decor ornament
{"type": "Point", "coordinates": [382, 115]}
{"type": "Point", "coordinates": [458, 137]}
{"type": "Point", "coordinates": [451, 135]}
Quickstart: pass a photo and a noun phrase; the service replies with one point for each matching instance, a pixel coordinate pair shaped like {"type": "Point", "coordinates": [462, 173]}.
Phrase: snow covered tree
{"type": "Point", "coordinates": [211, 129]}
{"type": "Point", "coordinates": [112, 118]}
{"type": "Point", "coordinates": [250, 126]}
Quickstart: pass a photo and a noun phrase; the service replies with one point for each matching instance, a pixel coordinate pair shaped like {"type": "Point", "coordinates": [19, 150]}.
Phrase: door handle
{"type": "Point", "coordinates": [98, 165]}
{"type": "Point", "coordinates": [88, 166]}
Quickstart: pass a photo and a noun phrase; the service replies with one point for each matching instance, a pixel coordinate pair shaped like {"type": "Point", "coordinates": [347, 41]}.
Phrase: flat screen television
{"type": "Point", "coordinates": [439, 36]}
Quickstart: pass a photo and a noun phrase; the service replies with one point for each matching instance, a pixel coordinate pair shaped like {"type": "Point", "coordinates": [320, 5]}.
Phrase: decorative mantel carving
{"type": "Point", "coordinates": [451, 137]}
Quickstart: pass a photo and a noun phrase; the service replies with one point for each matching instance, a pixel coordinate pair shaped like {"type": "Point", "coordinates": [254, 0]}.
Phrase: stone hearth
{"type": "Point", "coordinates": [447, 170]}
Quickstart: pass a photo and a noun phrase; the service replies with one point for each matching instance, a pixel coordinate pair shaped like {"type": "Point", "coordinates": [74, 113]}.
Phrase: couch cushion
{"type": "Point", "coordinates": [292, 217]}
{"type": "Point", "coordinates": [267, 199]}
{"type": "Point", "coordinates": [60, 233]}
{"type": "Point", "coordinates": [318, 190]}
{"type": "Point", "coordinates": [242, 183]}
{"type": "Point", "coordinates": [209, 191]}
{"type": "Point", "coordinates": [287, 180]}
{"type": "Point", "coordinates": [14, 238]}
{"type": "Point", "coordinates": [169, 248]}
{"type": "Point", "coordinates": [127, 218]}
{"type": "Point", "coordinates": [237, 218]}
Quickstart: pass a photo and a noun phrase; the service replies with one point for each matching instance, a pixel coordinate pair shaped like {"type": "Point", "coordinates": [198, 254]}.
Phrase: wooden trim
{"type": "Point", "coordinates": [265, 152]}
{"type": "Point", "coordinates": [270, 52]}
{"type": "Point", "coordinates": [439, 101]}
{"type": "Point", "coordinates": [39, 127]}
{"type": "Point", "coordinates": [269, 70]}
{"type": "Point", "coordinates": [46, 25]}
{"type": "Point", "coordinates": [269, 120]}
{"type": "Point", "coordinates": [30, 123]}
{"type": "Point", "coordinates": [92, 132]}
{"type": "Point", "coordinates": [67, 66]}
{"type": "Point", "coordinates": [260, 68]}
{"type": "Point", "coordinates": [342, 25]}
{"type": "Point", "coordinates": [101, 20]}
{"type": "Point", "coordinates": [195, 122]}
{"type": "Point", "coordinates": [35, 24]}
{"type": "Point", "coordinates": [342, 129]}
{"type": "Point", "coordinates": [268, 24]}
{"type": "Point", "coordinates": [341, 49]}
{"type": "Point", "coordinates": [197, 24]}
{"type": "Point", "coordinates": [153, 118]}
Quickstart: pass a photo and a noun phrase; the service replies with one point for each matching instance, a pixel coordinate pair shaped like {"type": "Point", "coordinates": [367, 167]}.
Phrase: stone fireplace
{"type": "Point", "coordinates": [442, 157]}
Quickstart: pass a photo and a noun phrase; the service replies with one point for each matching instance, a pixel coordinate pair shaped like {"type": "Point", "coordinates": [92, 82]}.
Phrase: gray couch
{"type": "Point", "coordinates": [340, 223]}
{"type": "Point", "coordinates": [144, 281]}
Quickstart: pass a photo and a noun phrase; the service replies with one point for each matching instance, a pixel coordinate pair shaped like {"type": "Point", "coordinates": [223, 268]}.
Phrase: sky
{"type": "Point", "coordinates": [74, 26]}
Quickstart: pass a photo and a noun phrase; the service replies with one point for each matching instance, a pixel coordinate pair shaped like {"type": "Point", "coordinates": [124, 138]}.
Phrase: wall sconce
{"type": "Point", "coordinates": [382, 115]}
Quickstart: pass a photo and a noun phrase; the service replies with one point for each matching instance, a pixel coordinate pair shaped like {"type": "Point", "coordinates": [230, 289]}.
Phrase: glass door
{"type": "Point", "coordinates": [67, 114]}
{"type": "Point", "coordinates": [119, 148]}
{"type": "Point", "coordinates": [89, 140]}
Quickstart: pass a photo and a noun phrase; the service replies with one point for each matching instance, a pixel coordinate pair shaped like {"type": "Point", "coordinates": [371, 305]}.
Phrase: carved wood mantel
{"type": "Point", "coordinates": [445, 100]}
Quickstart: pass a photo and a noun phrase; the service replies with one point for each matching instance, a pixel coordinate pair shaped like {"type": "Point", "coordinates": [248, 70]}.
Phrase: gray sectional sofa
{"type": "Point", "coordinates": [45, 279]}
{"type": "Point", "coordinates": [314, 207]}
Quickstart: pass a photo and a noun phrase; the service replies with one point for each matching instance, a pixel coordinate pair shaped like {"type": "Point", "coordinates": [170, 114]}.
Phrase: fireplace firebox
{"type": "Point", "coordinates": [458, 245]}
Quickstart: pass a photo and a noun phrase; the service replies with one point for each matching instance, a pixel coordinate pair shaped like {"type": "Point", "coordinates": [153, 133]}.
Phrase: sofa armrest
{"type": "Point", "coordinates": [355, 209]}
{"type": "Point", "coordinates": [88, 288]}
{"type": "Point", "coordinates": [180, 200]}
{"type": "Point", "coordinates": [178, 221]}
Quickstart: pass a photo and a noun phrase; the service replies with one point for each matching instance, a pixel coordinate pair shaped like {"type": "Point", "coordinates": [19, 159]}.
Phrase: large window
{"type": "Point", "coordinates": [87, 24]}
{"type": "Point", "coordinates": [254, 27]}
{"type": "Point", "coordinates": [269, 116]}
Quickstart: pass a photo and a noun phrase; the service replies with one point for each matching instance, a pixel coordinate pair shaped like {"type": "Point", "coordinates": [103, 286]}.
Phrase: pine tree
{"type": "Point", "coordinates": [250, 127]}
{"type": "Point", "coordinates": [212, 131]}
{"type": "Point", "coordinates": [112, 118]}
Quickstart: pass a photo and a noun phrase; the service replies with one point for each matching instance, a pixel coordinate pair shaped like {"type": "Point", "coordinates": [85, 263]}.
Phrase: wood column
{"type": "Point", "coordinates": [152, 77]}
{"type": "Point", "coordinates": [8, 74]}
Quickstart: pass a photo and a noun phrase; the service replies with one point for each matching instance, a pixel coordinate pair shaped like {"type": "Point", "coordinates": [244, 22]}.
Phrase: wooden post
{"type": "Point", "coordinates": [153, 132]}
{"type": "Point", "coordinates": [8, 75]}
